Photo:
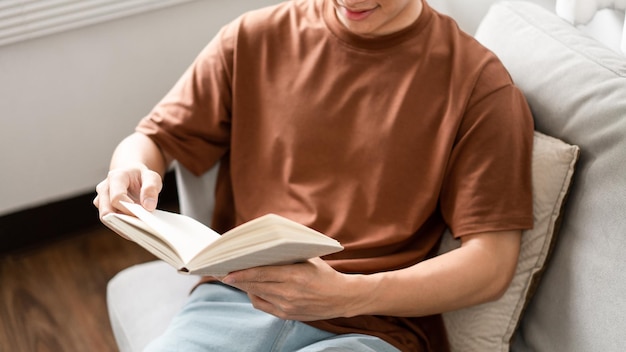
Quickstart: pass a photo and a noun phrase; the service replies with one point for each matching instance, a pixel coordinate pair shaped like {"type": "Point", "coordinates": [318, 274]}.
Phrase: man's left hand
{"type": "Point", "coordinates": [305, 291]}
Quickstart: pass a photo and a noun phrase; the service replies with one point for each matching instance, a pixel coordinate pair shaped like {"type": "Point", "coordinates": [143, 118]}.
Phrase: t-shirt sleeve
{"type": "Point", "coordinates": [488, 185]}
{"type": "Point", "coordinates": [192, 122]}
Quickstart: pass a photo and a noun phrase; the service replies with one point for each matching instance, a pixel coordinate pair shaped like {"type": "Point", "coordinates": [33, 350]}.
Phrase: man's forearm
{"type": "Point", "coordinates": [478, 272]}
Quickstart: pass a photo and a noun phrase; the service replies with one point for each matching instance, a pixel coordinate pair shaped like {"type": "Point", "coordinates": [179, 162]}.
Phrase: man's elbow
{"type": "Point", "coordinates": [498, 253]}
{"type": "Point", "coordinates": [500, 280]}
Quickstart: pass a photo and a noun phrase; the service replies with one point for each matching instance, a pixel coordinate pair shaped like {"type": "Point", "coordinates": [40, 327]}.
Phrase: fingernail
{"type": "Point", "coordinates": [149, 203]}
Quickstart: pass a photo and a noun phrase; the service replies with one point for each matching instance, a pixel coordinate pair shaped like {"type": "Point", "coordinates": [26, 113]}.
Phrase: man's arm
{"type": "Point", "coordinates": [136, 171]}
{"type": "Point", "coordinates": [477, 272]}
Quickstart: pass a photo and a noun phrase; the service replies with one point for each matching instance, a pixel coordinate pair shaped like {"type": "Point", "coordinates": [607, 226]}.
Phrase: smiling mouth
{"type": "Point", "coordinates": [356, 14]}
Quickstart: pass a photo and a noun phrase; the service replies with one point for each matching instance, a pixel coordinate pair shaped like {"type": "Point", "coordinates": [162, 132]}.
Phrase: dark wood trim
{"type": "Point", "coordinates": [49, 222]}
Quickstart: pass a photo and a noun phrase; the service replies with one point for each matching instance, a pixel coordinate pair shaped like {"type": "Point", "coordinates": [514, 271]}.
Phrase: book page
{"type": "Point", "coordinates": [267, 240]}
{"type": "Point", "coordinates": [186, 235]}
{"type": "Point", "coordinates": [275, 252]}
{"type": "Point", "coordinates": [135, 230]}
{"type": "Point", "coordinates": [140, 233]}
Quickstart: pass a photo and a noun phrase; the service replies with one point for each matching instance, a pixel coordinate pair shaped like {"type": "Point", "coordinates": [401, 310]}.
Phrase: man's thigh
{"type": "Point", "coordinates": [349, 342]}
{"type": "Point", "coordinates": [221, 318]}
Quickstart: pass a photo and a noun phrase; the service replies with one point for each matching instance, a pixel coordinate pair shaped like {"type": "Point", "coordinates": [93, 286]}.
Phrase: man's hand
{"type": "Point", "coordinates": [306, 291]}
{"type": "Point", "coordinates": [136, 184]}
{"type": "Point", "coordinates": [136, 173]}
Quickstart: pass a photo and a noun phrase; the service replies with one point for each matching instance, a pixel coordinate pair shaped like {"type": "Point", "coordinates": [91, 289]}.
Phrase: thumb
{"type": "Point", "coordinates": [151, 186]}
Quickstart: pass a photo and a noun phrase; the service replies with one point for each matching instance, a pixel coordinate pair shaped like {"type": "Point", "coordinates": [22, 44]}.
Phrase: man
{"type": "Point", "coordinates": [376, 122]}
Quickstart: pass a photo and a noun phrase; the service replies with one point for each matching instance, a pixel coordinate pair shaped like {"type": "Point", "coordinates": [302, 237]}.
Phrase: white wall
{"type": "Point", "coordinates": [68, 98]}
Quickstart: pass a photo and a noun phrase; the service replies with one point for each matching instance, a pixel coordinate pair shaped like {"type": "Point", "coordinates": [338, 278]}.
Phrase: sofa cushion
{"type": "Point", "coordinates": [576, 88]}
{"type": "Point", "coordinates": [583, 11]}
{"type": "Point", "coordinates": [490, 326]}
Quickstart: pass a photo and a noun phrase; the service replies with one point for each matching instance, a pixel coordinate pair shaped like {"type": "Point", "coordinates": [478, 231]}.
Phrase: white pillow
{"type": "Point", "coordinates": [490, 326]}
{"type": "Point", "coordinates": [579, 12]}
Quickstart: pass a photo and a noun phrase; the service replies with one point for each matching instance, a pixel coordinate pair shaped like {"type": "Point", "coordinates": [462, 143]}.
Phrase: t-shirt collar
{"type": "Point", "coordinates": [373, 43]}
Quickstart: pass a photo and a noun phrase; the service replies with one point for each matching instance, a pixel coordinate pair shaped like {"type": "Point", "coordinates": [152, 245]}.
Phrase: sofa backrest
{"type": "Point", "coordinates": [468, 14]}
{"type": "Point", "coordinates": [576, 88]}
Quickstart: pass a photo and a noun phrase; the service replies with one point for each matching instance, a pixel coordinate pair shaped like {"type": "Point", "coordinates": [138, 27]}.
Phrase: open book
{"type": "Point", "coordinates": [193, 248]}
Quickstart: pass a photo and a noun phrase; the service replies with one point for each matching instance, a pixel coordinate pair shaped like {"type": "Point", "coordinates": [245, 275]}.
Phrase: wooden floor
{"type": "Point", "coordinates": [53, 298]}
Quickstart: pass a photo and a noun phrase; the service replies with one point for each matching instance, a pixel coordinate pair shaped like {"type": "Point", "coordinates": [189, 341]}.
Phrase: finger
{"type": "Point", "coordinates": [151, 185]}
{"type": "Point", "coordinates": [262, 281]}
{"type": "Point", "coordinates": [257, 275]}
{"type": "Point", "coordinates": [262, 304]}
{"type": "Point", "coordinates": [281, 310]}
{"type": "Point", "coordinates": [119, 184]}
{"type": "Point", "coordinates": [101, 201]}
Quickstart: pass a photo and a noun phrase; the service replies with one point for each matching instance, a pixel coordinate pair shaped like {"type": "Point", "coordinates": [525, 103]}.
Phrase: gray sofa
{"type": "Point", "coordinates": [577, 91]}
{"type": "Point", "coordinates": [576, 87]}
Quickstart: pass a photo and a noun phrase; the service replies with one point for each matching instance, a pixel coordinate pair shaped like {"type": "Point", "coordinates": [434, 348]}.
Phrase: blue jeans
{"type": "Point", "coordinates": [221, 318]}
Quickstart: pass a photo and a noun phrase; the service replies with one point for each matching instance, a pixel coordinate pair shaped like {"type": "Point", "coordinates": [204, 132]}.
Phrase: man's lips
{"type": "Point", "coordinates": [356, 15]}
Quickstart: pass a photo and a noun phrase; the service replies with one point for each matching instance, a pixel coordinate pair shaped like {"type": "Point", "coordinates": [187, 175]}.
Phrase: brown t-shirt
{"type": "Point", "coordinates": [379, 143]}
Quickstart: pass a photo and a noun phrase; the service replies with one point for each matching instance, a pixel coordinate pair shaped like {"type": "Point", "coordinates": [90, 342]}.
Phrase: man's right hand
{"type": "Point", "coordinates": [135, 175]}
{"type": "Point", "coordinates": [134, 184]}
